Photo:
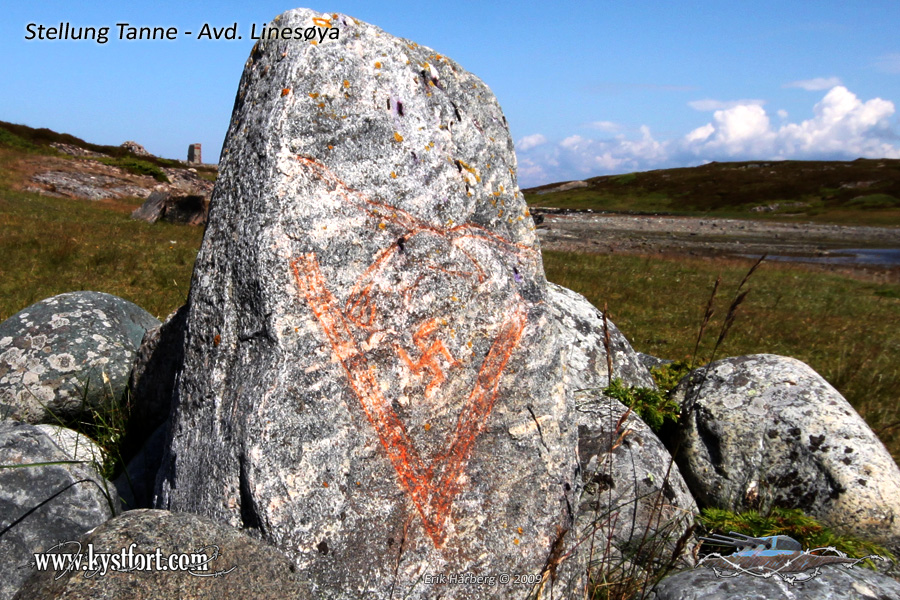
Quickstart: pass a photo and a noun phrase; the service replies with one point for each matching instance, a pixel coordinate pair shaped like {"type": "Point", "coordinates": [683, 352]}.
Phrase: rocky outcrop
{"type": "Point", "coordinates": [43, 505]}
{"type": "Point", "coordinates": [90, 184]}
{"type": "Point", "coordinates": [135, 148]}
{"type": "Point", "coordinates": [767, 430]}
{"type": "Point", "coordinates": [232, 564]}
{"type": "Point", "coordinates": [67, 353]}
{"type": "Point", "coordinates": [372, 379]}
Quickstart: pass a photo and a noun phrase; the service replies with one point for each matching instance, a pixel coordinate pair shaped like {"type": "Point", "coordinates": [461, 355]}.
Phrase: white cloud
{"type": "Point", "coordinates": [701, 133]}
{"type": "Point", "coordinates": [709, 104]}
{"type": "Point", "coordinates": [815, 85]}
{"type": "Point", "coordinates": [604, 126]}
{"type": "Point", "coordinates": [531, 141]}
{"type": "Point", "coordinates": [573, 142]}
{"type": "Point", "coordinates": [842, 127]}
{"type": "Point", "coordinates": [889, 63]}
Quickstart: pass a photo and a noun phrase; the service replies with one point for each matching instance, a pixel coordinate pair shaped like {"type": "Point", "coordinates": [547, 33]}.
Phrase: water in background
{"type": "Point", "coordinates": [881, 257]}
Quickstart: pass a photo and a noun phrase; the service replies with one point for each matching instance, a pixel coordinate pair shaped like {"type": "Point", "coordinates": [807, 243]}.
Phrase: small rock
{"type": "Point", "coordinates": [635, 504]}
{"type": "Point", "coordinates": [174, 208]}
{"type": "Point", "coordinates": [651, 362]}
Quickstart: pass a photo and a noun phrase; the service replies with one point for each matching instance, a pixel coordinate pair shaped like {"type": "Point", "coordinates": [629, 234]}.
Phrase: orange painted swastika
{"type": "Point", "coordinates": [433, 496]}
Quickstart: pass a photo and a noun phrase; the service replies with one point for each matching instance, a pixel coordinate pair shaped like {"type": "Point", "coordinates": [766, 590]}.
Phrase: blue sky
{"type": "Point", "coordinates": [587, 88]}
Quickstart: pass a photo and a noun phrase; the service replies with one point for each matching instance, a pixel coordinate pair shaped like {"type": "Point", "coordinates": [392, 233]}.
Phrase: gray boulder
{"type": "Point", "coordinates": [371, 377]}
{"type": "Point", "coordinates": [651, 362]}
{"type": "Point", "coordinates": [636, 512]}
{"type": "Point", "coordinates": [237, 566]}
{"type": "Point", "coordinates": [67, 353]}
{"type": "Point", "coordinates": [635, 502]}
{"type": "Point", "coordinates": [152, 381]}
{"type": "Point", "coordinates": [581, 328]}
{"type": "Point", "coordinates": [174, 207]}
{"type": "Point", "coordinates": [833, 583]}
{"type": "Point", "coordinates": [767, 430]}
{"type": "Point", "coordinates": [41, 506]}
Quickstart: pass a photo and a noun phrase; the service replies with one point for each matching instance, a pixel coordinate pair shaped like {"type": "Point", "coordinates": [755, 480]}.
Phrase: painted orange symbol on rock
{"type": "Point", "coordinates": [432, 486]}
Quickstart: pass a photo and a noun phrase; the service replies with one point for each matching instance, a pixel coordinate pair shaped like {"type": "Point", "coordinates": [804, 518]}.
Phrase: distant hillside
{"type": "Point", "coordinates": [863, 191]}
{"type": "Point", "coordinates": [30, 140]}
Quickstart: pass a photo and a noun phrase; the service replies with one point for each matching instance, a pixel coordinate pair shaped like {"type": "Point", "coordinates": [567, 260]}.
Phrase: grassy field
{"type": "Point", "coordinates": [847, 329]}
{"type": "Point", "coordinates": [50, 246]}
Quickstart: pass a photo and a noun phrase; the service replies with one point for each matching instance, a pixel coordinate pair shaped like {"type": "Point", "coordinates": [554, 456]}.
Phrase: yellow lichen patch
{"type": "Point", "coordinates": [527, 213]}
{"type": "Point", "coordinates": [519, 529]}
{"type": "Point", "coordinates": [427, 426]}
{"type": "Point", "coordinates": [324, 484]}
{"type": "Point", "coordinates": [381, 226]}
{"type": "Point", "coordinates": [314, 42]}
{"type": "Point", "coordinates": [516, 541]}
{"type": "Point", "coordinates": [330, 147]}
{"type": "Point", "coordinates": [398, 137]}
{"type": "Point", "coordinates": [313, 96]}
{"type": "Point", "coordinates": [500, 214]}
{"type": "Point", "coordinates": [285, 92]}
{"type": "Point", "coordinates": [346, 83]}
{"type": "Point", "coordinates": [496, 193]}
{"type": "Point", "coordinates": [321, 105]}
{"type": "Point", "coordinates": [393, 175]}
{"type": "Point", "coordinates": [321, 22]}
{"type": "Point", "coordinates": [377, 65]}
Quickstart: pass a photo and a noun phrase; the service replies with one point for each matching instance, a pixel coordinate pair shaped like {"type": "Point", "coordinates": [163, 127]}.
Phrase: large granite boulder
{"type": "Point", "coordinates": [232, 565]}
{"type": "Point", "coordinates": [45, 504]}
{"type": "Point", "coordinates": [832, 583]}
{"type": "Point", "coordinates": [67, 353]}
{"type": "Point", "coordinates": [371, 377]}
{"type": "Point", "coordinates": [767, 430]}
